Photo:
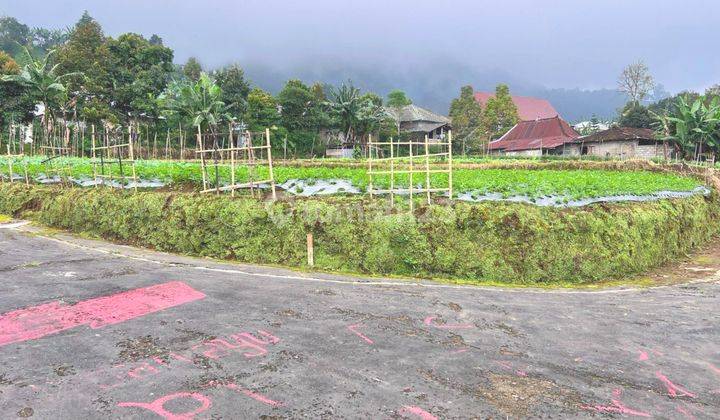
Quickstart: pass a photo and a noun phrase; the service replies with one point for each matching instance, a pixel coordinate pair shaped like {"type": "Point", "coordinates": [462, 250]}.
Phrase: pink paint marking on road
{"type": "Point", "coordinates": [158, 406]}
{"type": "Point", "coordinates": [359, 334]}
{"type": "Point", "coordinates": [429, 321]}
{"type": "Point", "coordinates": [672, 389]}
{"type": "Point", "coordinates": [463, 350]}
{"type": "Point", "coordinates": [617, 406]}
{"type": "Point", "coordinates": [417, 411]}
{"type": "Point", "coordinates": [504, 364]}
{"type": "Point", "coordinates": [643, 356]}
{"type": "Point", "coordinates": [144, 369]}
{"type": "Point", "coordinates": [51, 318]}
{"type": "Point", "coordinates": [254, 395]}
{"type": "Point", "coordinates": [180, 357]}
{"type": "Point", "coordinates": [508, 366]}
{"type": "Point", "coordinates": [714, 368]}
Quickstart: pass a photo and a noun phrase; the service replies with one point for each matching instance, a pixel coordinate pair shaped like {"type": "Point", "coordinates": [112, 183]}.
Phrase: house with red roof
{"type": "Point", "coordinates": [546, 136]}
{"type": "Point", "coordinates": [528, 108]}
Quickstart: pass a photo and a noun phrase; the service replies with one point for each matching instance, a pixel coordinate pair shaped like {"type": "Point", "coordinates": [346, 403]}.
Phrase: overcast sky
{"type": "Point", "coordinates": [562, 43]}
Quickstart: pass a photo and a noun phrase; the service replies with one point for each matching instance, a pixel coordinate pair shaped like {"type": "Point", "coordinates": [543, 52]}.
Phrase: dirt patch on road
{"type": "Point", "coordinates": [136, 349]}
{"type": "Point", "coordinates": [699, 266]}
{"type": "Point", "coordinates": [514, 395]}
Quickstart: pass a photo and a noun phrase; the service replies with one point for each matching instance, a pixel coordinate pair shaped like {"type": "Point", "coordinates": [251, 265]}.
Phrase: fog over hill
{"type": "Point", "coordinates": [434, 89]}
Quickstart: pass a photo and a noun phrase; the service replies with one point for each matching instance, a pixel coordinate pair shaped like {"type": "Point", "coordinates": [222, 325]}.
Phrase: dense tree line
{"type": "Point", "coordinates": [80, 74]}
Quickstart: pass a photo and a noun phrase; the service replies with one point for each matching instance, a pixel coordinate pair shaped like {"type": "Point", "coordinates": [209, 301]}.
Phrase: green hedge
{"type": "Point", "coordinates": [509, 243]}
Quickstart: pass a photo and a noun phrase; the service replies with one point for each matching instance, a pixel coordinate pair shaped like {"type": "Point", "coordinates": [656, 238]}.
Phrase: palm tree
{"type": "Point", "coordinates": [42, 83]}
{"type": "Point", "coordinates": [354, 113]}
{"type": "Point", "coordinates": [197, 101]}
{"type": "Point", "coordinates": [345, 105]}
{"type": "Point", "coordinates": [200, 102]}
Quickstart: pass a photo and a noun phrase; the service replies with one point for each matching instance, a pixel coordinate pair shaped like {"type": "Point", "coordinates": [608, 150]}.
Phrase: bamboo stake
{"type": "Point", "coordinates": [450, 156]}
{"type": "Point", "coordinates": [411, 178]}
{"type": "Point", "coordinates": [370, 158]}
{"type": "Point", "coordinates": [132, 158]}
{"type": "Point", "coordinates": [182, 142]}
{"type": "Point", "coordinates": [202, 157]}
{"type": "Point", "coordinates": [427, 169]}
{"type": "Point", "coordinates": [167, 143]}
{"type": "Point", "coordinates": [310, 250]}
{"type": "Point", "coordinates": [92, 153]}
{"type": "Point", "coordinates": [392, 174]}
{"type": "Point", "coordinates": [232, 159]}
{"type": "Point", "coordinates": [270, 165]}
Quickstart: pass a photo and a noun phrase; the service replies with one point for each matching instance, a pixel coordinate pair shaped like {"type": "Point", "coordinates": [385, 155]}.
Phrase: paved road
{"type": "Point", "coordinates": [93, 330]}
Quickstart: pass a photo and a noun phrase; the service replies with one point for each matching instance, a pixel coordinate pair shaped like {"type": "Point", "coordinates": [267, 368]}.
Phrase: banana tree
{"type": "Point", "coordinates": [693, 127]}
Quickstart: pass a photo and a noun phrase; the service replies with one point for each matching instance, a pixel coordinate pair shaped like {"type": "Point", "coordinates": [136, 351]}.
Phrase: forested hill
{"type": "Point", "coordinates": [433, 87]}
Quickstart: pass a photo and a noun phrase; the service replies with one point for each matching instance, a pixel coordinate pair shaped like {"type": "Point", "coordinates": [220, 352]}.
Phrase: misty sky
{"type": "Point", "coordinates": [563, 43]}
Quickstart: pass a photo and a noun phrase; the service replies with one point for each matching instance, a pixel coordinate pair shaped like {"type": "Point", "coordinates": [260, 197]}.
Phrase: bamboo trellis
{"type": "Point", "coordinates": [15, 153]}
{"type": "Point", "coordinates": [429, 163]}
{"type": "Point", "coordinates": [237, 148]}
{"type": "Point", "coordinates": [114, 149]}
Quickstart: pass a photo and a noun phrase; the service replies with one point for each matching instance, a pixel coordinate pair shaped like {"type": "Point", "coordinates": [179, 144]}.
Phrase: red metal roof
{"type": "Point", "coordinates": [547, 133]}
{"type": "Point", "coordinates": [528, 108]}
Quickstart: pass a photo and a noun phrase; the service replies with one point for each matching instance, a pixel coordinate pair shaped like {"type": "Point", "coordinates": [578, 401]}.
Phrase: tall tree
{"type": "Point", "coordinates": [45, 40]}
{"type": "Point", "coordinates": [262, 110]}
{"type": "Point", "coordinates": [139, 71]}
{"type": "Point", "coordinates": [14, 36]}
{"type": "Point", "coordinates": [466, 115]}
{"type": "Point", "coordinates": [13, 105]}
{"type": "Point", "coordinates": [192, 69]}
{"type": "Point", "coordinates": [397, 99]}
{"type": "Point", "coordinates": [156, 40]}
{"type": "Point", "coordinates": [500, 114]}
{"type": "Point", "coordinates": [235, 87]}
{"type": "Point", "coordinates": [296, 102]}
{"type": "Point", "coordinates": [86, 54]}
{"type": "Point", "coordinates": [636, 82]}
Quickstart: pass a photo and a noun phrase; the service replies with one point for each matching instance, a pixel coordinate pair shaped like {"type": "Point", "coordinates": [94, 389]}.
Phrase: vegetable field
{"type": "Point", "coordinates": [533, 183]}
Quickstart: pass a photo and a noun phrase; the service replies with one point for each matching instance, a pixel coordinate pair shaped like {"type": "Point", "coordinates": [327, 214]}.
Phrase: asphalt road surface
{"type": "Point", "coordinates": [94, 330]}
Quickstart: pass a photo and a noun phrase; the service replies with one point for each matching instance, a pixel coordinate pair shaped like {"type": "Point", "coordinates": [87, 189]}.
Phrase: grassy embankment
{"type": "Point", "coordinates": [497, 243]}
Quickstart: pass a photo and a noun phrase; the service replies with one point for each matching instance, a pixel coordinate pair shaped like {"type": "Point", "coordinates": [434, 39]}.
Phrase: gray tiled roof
{"type": "Point", "coordinates": [410, 113]}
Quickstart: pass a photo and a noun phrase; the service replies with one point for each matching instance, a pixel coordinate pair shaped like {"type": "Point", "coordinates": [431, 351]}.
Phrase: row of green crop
{"type": "Point", "coordinates": [533, 183]}
{"type": "Point", "coordinates": [508, 243]}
